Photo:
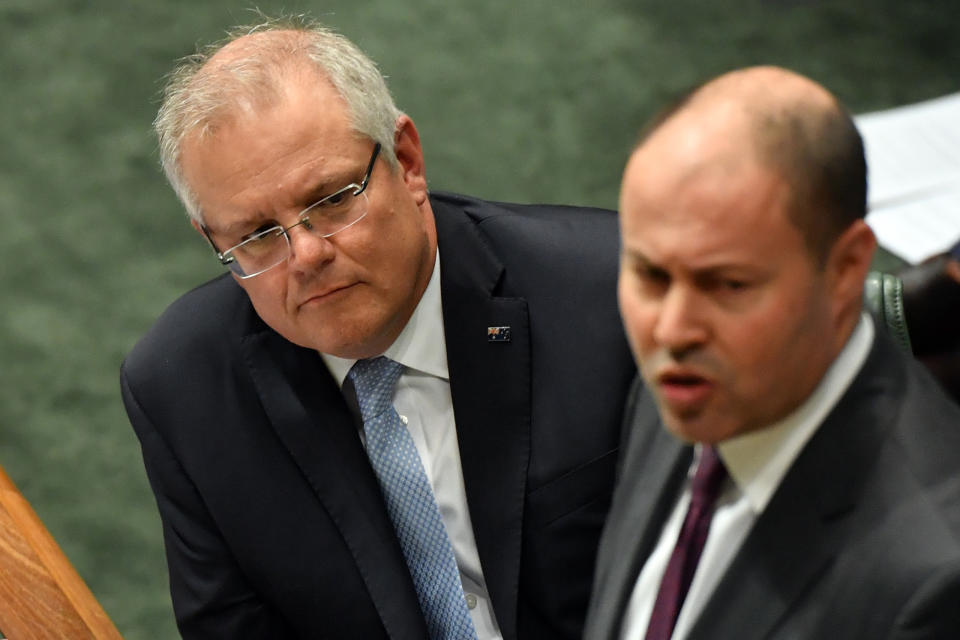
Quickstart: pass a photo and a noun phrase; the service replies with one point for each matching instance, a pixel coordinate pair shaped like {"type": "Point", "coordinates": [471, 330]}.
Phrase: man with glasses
{"type": "Point", "coordinates": [398, 414]}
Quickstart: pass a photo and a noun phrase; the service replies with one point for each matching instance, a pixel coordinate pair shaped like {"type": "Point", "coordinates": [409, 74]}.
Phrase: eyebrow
{"type": "Point", "coordinates": [643, 261]}
{"type": "Point", "coordinates": [322, 188]}
{"type": "Point", "coordinates": [331, 183]}
{"type": "Point", "coordinates": [637, 256]}
{"type": "Point", "coordinates": [236, 228]}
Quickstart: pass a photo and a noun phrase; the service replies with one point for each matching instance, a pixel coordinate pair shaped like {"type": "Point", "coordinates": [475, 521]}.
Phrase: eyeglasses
{"type": "Point", "coordinates": [266, 248]}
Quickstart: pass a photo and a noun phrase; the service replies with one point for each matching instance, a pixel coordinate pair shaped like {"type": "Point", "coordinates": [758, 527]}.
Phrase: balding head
{"type": "Point", "coordinates": [743, 255]}
{"type": "Point", "coordinates": [791, 125]}
{"type": "Point", "coordinates": [251, 70]}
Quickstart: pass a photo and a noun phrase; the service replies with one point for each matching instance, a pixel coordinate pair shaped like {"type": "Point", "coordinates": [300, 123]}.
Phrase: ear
{"type": "Point", "coordinates": [847, 266]}
{"type": "Point", "coordinates": [406, 144]}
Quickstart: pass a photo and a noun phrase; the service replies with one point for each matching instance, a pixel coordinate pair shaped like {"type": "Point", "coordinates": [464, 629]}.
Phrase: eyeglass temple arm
{"type": "Point", "coordinates": [366, 175]}
{"type": "Point", "coordinates": [213, 245]}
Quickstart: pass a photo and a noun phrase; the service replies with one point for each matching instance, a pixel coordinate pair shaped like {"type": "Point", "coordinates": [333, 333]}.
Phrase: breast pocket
{"type": "Point", "coordinates": [561, 534]}
{"type": "Point", "coordinates": [577, 489]}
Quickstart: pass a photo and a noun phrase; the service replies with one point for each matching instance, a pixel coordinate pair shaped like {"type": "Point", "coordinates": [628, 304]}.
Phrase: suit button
{"type": "Point", "coordinates": [471, 601]}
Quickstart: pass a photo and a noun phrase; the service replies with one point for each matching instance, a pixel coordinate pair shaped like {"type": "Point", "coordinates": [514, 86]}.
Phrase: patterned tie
{"type": "Point", "coordinates": [683, 562]}
{"type": "Point", "coordinates": [410, 502]}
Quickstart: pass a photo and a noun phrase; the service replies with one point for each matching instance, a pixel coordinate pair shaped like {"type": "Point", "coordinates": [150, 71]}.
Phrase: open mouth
{"type": "Point", "coordinates": [682, 379]}
{"type": "Point", "coordinates": [684, 390]}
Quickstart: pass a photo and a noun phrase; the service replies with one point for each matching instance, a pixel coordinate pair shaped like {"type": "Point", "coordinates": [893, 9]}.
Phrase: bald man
{"type": "Point", "coordinates": [788, 472]}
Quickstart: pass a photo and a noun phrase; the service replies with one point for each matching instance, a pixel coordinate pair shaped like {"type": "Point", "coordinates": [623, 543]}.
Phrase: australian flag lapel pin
{"type": "Point", "coordinates": [498, 334]}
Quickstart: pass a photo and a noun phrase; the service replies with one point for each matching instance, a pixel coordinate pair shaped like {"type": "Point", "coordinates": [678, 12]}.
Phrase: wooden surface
{"type": "Point", "coordinates": [41, 595]}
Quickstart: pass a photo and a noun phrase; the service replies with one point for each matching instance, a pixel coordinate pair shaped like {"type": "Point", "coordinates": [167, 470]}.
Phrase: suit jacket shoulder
{"type": "Point", "coordinates": [860, 540]}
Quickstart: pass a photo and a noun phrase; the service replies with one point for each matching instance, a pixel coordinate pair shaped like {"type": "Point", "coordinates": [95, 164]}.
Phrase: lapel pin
{"type": "Point", "coordinates": [498, 334]}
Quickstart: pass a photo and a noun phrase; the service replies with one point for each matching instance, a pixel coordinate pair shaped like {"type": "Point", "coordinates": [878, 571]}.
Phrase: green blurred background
{"type": "Point", "coordinates": [528, 101]}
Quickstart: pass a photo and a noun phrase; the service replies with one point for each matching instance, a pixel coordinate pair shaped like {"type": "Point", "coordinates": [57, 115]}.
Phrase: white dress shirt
{"type": "Point", "coordinates": [757, 462]}
{"type": "Point", "coordinates": [422, 398]}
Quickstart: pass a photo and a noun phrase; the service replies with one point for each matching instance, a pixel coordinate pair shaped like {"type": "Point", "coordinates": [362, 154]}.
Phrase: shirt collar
{"type": "Point", "coordinates": [757, 461]}
{"type": "Point", "coordinates": [421, 345]}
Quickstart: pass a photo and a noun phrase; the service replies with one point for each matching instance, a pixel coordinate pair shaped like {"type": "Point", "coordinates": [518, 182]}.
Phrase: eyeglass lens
{"type": "Point", "coordinates": [325, 218]}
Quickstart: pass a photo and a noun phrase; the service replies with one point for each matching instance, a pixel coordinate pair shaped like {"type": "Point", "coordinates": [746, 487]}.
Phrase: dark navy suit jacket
{"type": "Point", "coordinates": [273, 521]}
{"type": "Point", "coordinates": [861, 539]}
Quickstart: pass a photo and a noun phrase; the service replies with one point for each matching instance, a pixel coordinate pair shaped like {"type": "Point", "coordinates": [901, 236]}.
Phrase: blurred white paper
{"type": "Point", "coordinates": [913, 159]}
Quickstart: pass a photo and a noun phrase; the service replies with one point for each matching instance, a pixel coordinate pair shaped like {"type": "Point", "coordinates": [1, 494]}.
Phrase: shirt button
{"type": "Point", "coordinates": [404, 419]}
{"type": "Point", "coordinates": [471, 601]}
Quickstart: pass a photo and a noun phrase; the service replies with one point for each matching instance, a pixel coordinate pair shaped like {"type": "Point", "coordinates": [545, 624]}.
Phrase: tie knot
{"type": "Point", "coordinates": [374, 380]}
{"type": "Point", "coordinates": [709, 476]}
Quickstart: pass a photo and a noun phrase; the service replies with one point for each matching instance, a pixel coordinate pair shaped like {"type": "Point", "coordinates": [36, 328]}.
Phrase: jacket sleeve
{"type": "Point", "coordinates": [211, 596]}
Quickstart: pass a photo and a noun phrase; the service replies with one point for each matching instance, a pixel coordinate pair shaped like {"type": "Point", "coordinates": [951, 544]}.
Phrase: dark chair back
{"type": "Point", "coordinates": [883, 297]}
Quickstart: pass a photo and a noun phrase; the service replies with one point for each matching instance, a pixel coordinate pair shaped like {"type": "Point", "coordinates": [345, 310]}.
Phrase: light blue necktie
{"type": "Point", "coordinates": [410, 502]}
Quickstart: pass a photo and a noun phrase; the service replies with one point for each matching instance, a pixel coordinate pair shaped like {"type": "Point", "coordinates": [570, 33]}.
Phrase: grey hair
{"type": "Point", "coordinates": [197, 98]}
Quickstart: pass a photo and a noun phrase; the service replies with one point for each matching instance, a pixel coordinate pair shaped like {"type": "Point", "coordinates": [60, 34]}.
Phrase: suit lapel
{"type": "Point", "coordinates": [797, 537]}
{"type": "Point", "coordinates": [787, 549]}
{"type": "Point", "coordinates": [308, 412]}
{"type": "Point", "coordinates": [490, 387]}
{"type": "Point", "coordinates": [654, 468]}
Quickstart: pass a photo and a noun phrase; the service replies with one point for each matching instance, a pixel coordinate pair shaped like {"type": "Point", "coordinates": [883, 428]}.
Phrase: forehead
{"type": "Point", "coordinates": [701, 203]}
{"type": "Point", "coordinates": [273, 150]}
{"type": "Point", "coordinates": [302, 108]}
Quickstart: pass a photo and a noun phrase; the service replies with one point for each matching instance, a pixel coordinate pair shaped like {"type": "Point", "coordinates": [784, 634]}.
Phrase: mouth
{"type": "Point", "coordinates": [326, 295]}
{"type": "Point", "coordinates": [684, 390]}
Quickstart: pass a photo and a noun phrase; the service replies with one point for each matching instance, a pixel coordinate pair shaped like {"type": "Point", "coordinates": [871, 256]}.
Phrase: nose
{"type": "Point", "coordinates": [680, 325]}
{"type": "Point", "coordinates": [308, 250]}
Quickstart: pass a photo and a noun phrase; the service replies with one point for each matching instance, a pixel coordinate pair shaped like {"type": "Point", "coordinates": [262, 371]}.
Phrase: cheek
{"type": "Point", "coordinates": [391, 244]}
{"type": "Point", "coordinates": [759, 356]}
{"type": "Point", "coordinates": [772, 348]}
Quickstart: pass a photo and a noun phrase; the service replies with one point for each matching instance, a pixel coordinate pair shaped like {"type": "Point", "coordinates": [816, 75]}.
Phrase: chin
{"type": "Point", "coordinates": [695, 429]}
{"type": "Point", "coordinates": [336, 346]}
{"type": "Point", "coordinates": [353, 344]}
{"type": "Point", "coordinates": [685, 430]}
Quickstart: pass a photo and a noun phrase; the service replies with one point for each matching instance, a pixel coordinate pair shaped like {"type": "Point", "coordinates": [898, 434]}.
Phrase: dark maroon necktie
{"type": "Point", "coordinates": [683, 562]}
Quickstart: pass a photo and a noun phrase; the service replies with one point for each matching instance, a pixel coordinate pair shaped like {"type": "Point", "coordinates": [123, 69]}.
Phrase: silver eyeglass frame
{"type": "Point", "coordinates": [303, 218]}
